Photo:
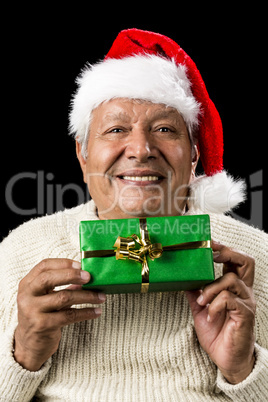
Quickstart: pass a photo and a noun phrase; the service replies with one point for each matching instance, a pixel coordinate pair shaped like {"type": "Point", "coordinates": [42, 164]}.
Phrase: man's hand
{"type": "Point", "coordinates": [42, 311]}
{"type": "Point", "coordinates": [224, 315]}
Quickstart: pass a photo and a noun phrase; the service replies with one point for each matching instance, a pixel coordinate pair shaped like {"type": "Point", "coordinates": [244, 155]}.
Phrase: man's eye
{"type": "Point", "coordinates": [116, 130]}
{"type": "Point", "coordinates": [164, 129]}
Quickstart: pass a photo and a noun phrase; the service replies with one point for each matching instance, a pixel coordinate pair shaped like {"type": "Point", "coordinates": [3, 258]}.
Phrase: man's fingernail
{"type": "Point", "coordinates": [76, 265]}
{"type": "Point", "coordinates": [216, 254]}
{"type": "Point", "coordinates": [97, 311]}
{"type": "Point", "coordinates": [200, 299]}
{"type": "Point", "coordinates": [85, 275]}
{"type": "Point", "coordinates": [208, 318]}
{"type": "Point", "coordinates": [102, 296]}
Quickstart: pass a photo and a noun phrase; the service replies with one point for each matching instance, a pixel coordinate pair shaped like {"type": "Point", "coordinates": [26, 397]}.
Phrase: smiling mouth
{"type": "Point", "coordinates": [141, 179]}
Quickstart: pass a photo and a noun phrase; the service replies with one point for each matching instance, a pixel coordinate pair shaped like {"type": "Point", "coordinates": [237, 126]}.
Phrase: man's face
{"type": "Point", "coordinates": [139, 160]}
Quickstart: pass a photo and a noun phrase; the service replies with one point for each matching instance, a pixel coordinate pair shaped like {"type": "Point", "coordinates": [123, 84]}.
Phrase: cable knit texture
{"type": "Point", "coordinates": [143, 348]}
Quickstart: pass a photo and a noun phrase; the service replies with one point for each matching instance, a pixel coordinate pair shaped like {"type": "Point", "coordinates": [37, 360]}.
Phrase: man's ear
{"type": "Point", "coordinates": [82, 161]}
{"type": "Point", "coordinates": [195, 159]}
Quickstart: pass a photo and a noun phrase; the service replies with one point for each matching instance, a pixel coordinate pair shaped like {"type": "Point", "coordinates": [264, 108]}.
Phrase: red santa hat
{"type": "Point", "coordinates": [149, 66]}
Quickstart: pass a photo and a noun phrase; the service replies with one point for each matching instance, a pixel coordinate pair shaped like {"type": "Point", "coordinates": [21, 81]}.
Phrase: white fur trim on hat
{"type": "Point", "coordinates": [146, 77]}
{"type": "Point", "coordinates": [218, 193]}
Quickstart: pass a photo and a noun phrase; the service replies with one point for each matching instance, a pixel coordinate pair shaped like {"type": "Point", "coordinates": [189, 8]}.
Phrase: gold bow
{"type": "Point", "coordinates": [125, 249]}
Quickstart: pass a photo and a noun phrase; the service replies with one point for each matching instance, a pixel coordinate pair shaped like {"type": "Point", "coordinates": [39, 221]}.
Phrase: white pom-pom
{"type": "Point", "coordinates": [218, 193]}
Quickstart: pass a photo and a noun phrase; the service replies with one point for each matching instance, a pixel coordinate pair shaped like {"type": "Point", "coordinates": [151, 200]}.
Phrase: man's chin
{"type": "Point", "coordinates": [146, 209]}
{"type": "Point", "coordinates": [153, 207]}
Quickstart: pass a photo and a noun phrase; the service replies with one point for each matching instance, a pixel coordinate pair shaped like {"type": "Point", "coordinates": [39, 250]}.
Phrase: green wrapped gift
{"type": "Point", "coordinates": [158, 254]}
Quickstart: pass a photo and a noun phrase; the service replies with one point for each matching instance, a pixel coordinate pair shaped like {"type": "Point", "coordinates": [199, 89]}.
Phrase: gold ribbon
{"type": "Point", "coordinates": [126, 249]}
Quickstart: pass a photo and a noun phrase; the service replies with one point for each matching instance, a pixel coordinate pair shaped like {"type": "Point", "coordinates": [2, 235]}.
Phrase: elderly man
{"type": "Point", "coordinates": [141, 118]}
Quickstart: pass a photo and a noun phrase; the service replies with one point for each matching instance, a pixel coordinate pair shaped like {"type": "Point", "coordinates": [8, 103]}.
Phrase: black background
{"type": "Point", "coordinates": [45, 49]}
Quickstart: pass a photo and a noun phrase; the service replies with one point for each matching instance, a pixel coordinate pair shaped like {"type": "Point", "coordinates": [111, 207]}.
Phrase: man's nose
{"type": "Point", "coordinates": [141, 146]}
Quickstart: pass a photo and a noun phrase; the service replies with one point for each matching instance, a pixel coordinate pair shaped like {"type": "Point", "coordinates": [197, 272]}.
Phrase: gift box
{"type": "Point", "coordinates": [155, 254]}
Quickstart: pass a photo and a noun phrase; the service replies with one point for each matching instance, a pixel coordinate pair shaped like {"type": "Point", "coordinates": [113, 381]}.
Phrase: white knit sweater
{"type": "Point", "coordinates": [143, 347]}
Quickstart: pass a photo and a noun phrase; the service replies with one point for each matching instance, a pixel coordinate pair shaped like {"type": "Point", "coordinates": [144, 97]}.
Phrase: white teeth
{"type": "Point", "coordinates": [141, 178]}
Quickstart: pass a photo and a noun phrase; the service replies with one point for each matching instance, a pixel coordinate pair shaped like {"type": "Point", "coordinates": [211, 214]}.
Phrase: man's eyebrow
{"type": "Point", "coordinates": [122, 116]}
{"type": "Point", "coordinates": [115, 116]}
{"type": "Point", "coordinates": [167, 114]}
{"type": "Point", "coordinates": [163, 114]}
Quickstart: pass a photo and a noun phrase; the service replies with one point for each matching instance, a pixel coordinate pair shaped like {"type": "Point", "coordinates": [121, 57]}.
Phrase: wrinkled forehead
{"type": "Point", "coordinates": [130, 110]}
